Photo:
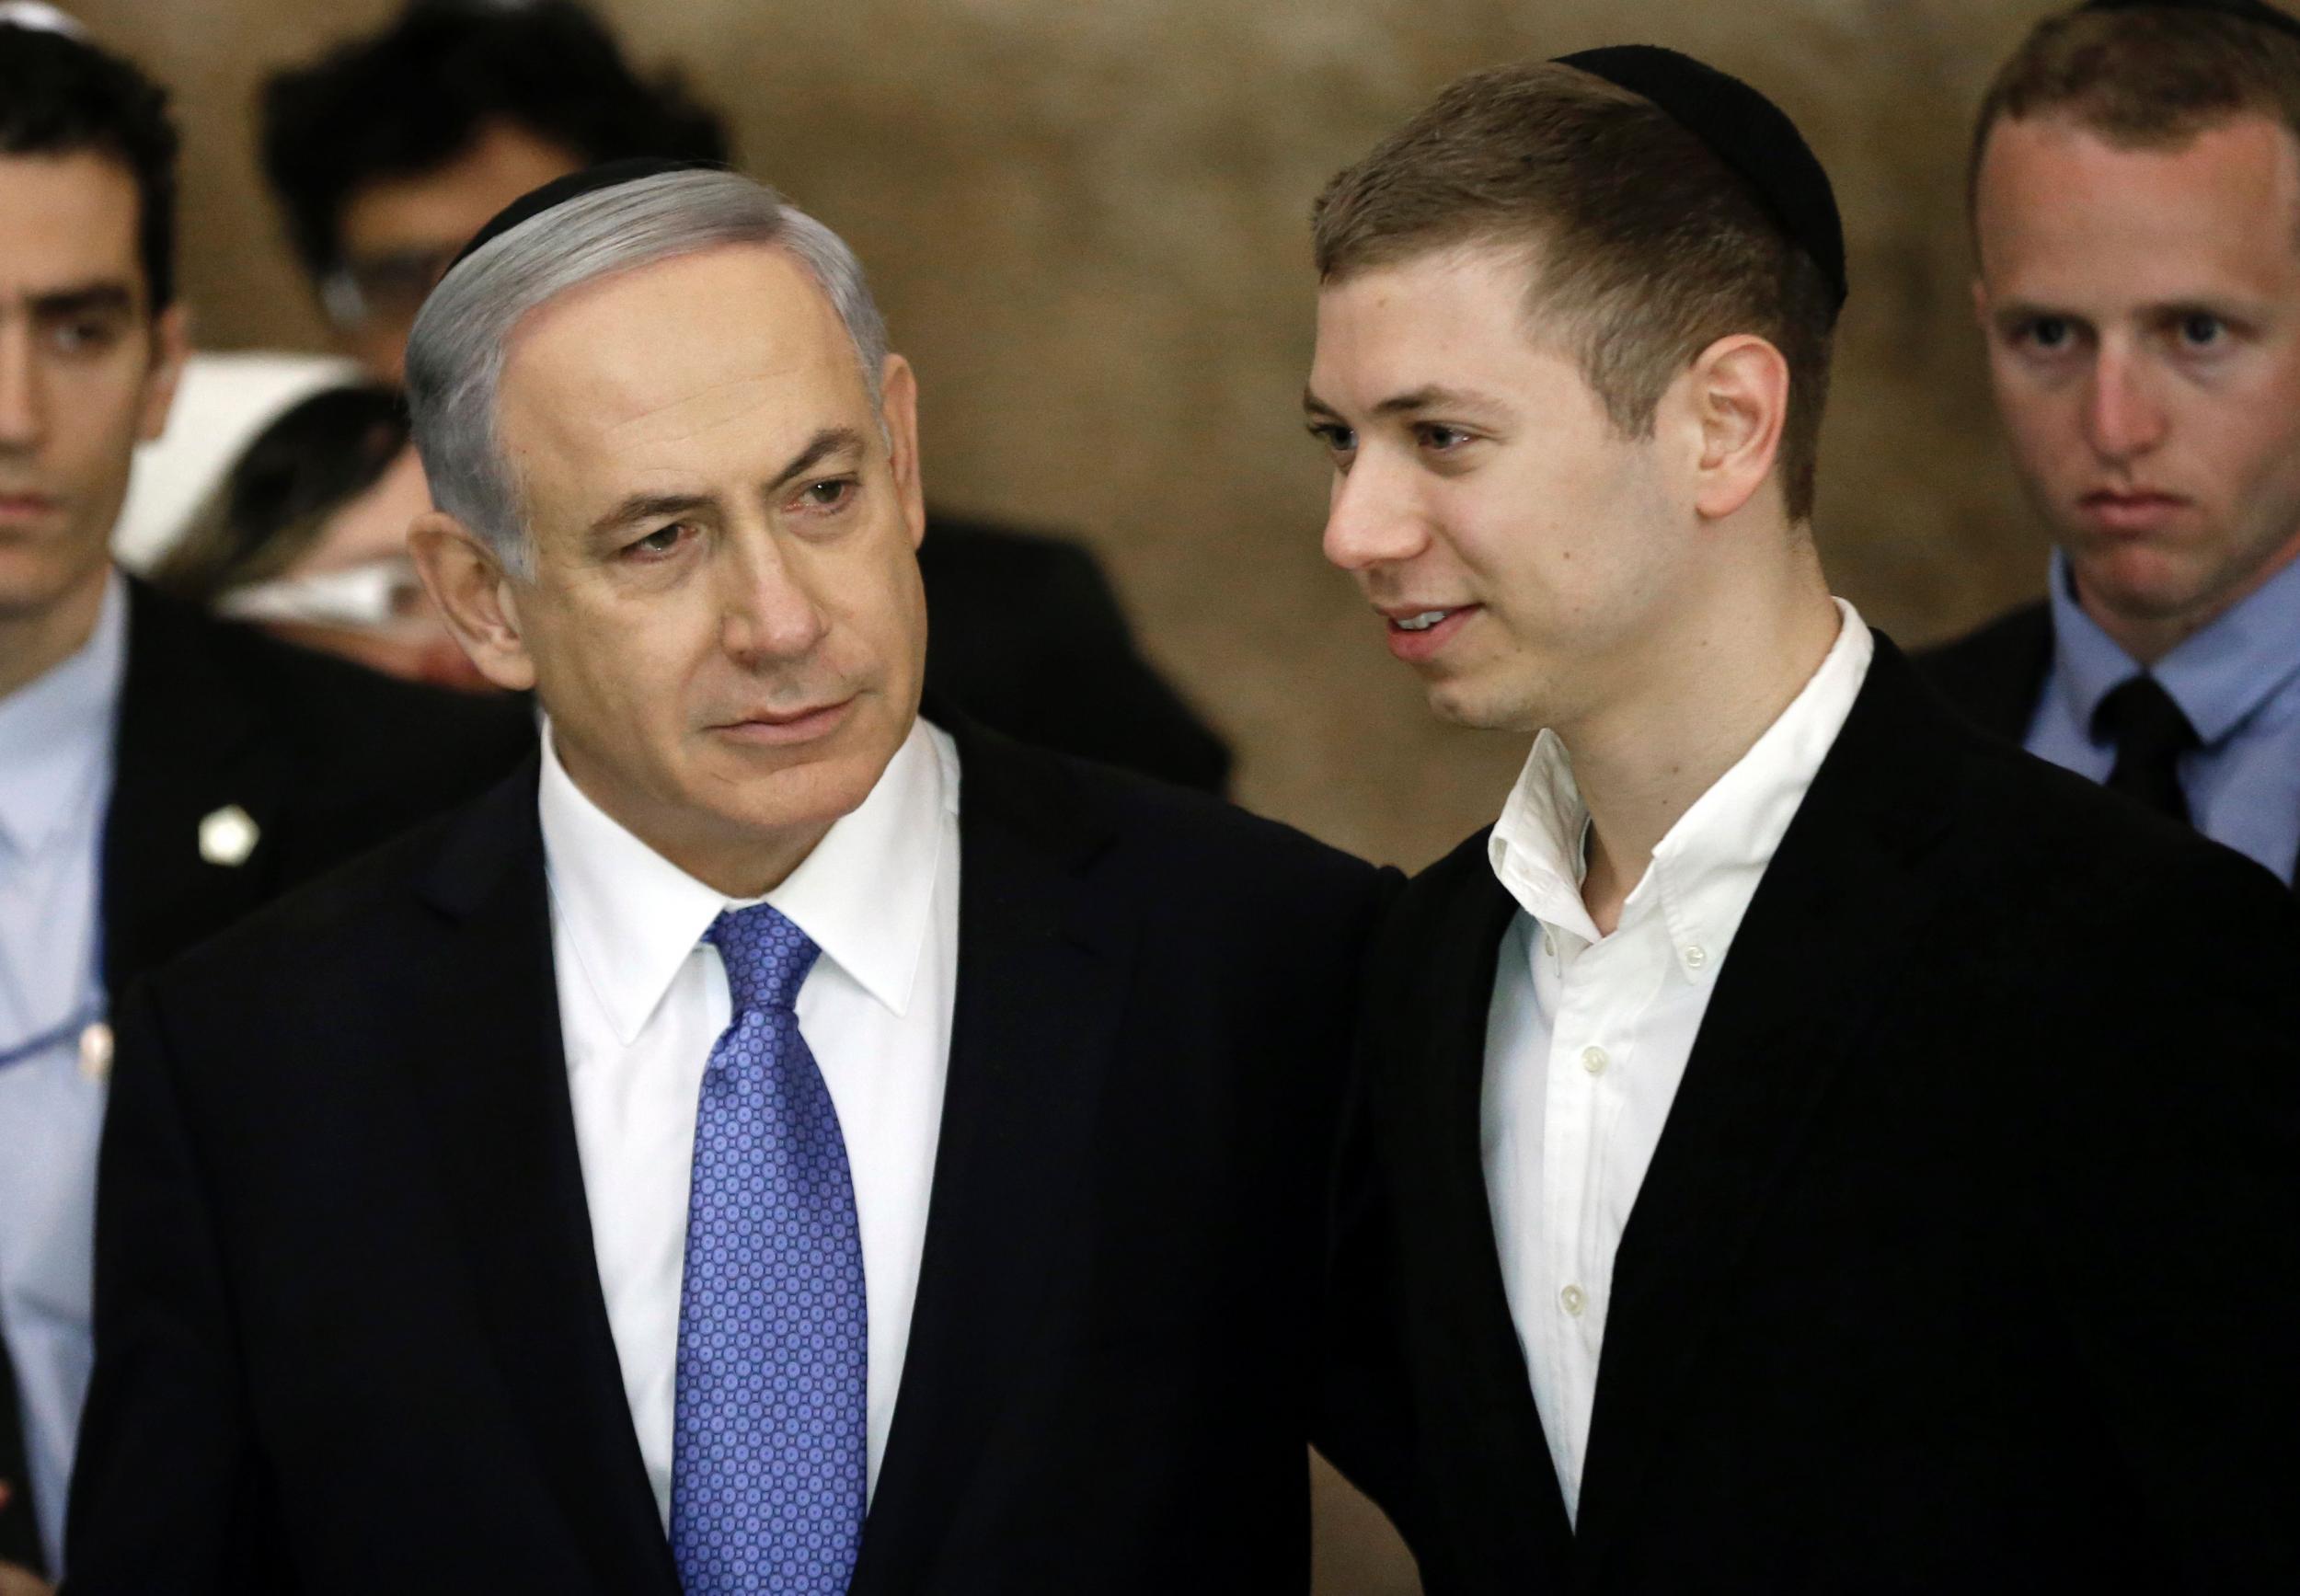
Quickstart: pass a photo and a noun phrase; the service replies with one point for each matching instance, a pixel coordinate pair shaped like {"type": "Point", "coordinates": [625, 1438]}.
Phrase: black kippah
{"type": "Point", "coordinates": [573, 186]}
{"type": "Point", "coordinates": [2242, 10]}
{"type": "Point", "coordinates": [1745, 130]}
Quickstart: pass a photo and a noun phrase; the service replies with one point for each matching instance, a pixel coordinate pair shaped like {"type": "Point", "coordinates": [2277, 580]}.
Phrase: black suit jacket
{"type": "Point", "coordinates": [1995, 675]}
{"type": "Point", "coordinates": [323, 758]}
{"type": "Point", "coordinates": [1969, 1255]}
{"type": "Point", "coordinates": [327, 759]}
{"type": "Point", "coordinates": [350, 1329]}
{"type": "Point", "coordinates": [1026, 635]}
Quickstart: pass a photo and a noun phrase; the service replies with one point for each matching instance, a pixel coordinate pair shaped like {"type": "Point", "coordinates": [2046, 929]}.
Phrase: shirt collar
{"type": "Point", "coordinates": [1707, 869]}
{"type": "Point", "coordinates": [2219, 677]}
{"type": "Point", "coordinates": [865, 895]}
{"type": "Point", "coordinates": [57, 730]}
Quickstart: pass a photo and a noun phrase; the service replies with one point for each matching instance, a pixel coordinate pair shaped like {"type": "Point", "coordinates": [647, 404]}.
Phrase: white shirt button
{"type": "Point", "coordinates": [1594, 1060]}
{"type": "Point", "coordinates": [1572, 1300]}
{"type": "Point", "coordinates": [1696, 956]}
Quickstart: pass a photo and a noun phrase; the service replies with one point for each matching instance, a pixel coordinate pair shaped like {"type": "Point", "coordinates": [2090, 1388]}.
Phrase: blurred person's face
{"type": "Point", "coordinates": [369, 533]}
{"type": "Point", "coordinates": [84, 374]}
{"type": "Point", "coordinates": [1523, 556]}
{"type": "Point", "coordinates": [2142, 310]}
{"type": "Point", "coordinates": [396, 237]}
{"type": "Point", "coordinates": [724, 619]}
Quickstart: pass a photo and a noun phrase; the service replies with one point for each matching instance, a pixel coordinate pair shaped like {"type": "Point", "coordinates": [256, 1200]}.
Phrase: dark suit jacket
{"type": "Point", "coordinates": [1995, 675]}
{"type": "Point", "coordinates": [350, 1330]}
{"type": "Point", "coordinates": [1024, 635]}
{"type": "Point", "coordinates": [1969, 1256]}
{"type": "Point", "coordinates": [326, 759]}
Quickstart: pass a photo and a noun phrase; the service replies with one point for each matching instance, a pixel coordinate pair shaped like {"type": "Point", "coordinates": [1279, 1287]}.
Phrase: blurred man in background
{"type": "Point", "coordinates": [160, 773]}
{"type": "Point", "coordinates": [1780, 1173]}
{"type": "Point", "coordinates": [2135, 202]}
{"type": "Point", "coordinates": [388, 151]}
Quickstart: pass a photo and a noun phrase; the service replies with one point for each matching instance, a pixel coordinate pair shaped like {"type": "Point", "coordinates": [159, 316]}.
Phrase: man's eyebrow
{"type": "Point", "coordinates": [1430, 396]}
{"type": "Point", "coordinates": [822, 446]}
{"type": "Point", "coordinates": [649, 507]}
{"type": "Point", "coordinates": [1434, 398]}
{"type": "Point", "coordinates": [653, 506]}
{"type": "Point", "coordinates": [83, 299]}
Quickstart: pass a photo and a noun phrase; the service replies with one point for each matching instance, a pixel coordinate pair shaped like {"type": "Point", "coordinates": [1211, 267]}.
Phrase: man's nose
{"type": "Point", "coordinates": [2122, 417]}
{"type": "Point", "coordinates": [1372, 519]}
{"type": "Point", "coordinates": [22, 413]}
{"type": "Point", "coordinates": [770, 609]}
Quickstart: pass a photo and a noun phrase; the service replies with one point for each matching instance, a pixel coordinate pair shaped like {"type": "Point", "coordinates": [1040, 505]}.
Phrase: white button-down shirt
{"type": "Point", "coordinates": [642, 998]}
{"type": "Point", "coordinates": [1589, 1035]}
{"type": "Point", "coordinates": [55, 782]}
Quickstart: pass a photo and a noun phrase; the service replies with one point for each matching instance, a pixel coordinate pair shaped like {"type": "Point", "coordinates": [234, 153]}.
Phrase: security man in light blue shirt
{"type": "Point", "coordinates": [161, 773]}
{"type": "Point", "coordinates": [2136, 209]}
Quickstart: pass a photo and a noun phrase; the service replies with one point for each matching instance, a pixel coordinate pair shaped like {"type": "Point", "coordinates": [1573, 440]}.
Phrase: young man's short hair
{"type": "Point", "coordinates": [1646, 244]}
{"type": "Point", "coordinates": [2144, 76]}
{"type": "Point", "coordinates": [62, 96]}
{"type": "Point", "coordinates": [409, 99]}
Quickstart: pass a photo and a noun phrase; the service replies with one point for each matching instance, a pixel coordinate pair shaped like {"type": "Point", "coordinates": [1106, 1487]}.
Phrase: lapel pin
{"type": "Point", "coordinates": [96, 1052]}
{"type": "Point", "coordinates": [228, 836]}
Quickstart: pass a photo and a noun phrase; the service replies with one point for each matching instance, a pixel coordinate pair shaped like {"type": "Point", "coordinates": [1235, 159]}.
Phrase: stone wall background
{"type": "Point", "coordinates": [1086, 222]}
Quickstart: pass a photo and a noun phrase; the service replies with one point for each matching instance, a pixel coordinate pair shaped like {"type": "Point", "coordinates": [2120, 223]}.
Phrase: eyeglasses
{"type": "Point", "coordinates": [379, 595]}
{"type": "Point", "coordinates": [389, 287]}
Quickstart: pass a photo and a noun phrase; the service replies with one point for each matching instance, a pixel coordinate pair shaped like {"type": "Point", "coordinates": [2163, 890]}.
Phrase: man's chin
{"type": "Point", "coordinates": [1478, 705]}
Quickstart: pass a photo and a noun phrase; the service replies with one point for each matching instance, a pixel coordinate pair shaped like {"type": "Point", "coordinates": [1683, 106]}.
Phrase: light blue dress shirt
{"type": "Point", "coordinates": [55, 782]}
{"type": "Point", "coordinates": [2238, 682]}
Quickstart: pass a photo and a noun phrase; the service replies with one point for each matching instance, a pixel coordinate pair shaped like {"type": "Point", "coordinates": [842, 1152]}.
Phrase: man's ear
{"type": "Point", "coordinates": [1739, 390]}
{"type": "Point", "coordinates": [898, 412]}
{"type": "Point", "coordinates": [171, 345]}
{"type": "Point", "coordinates": [473, 591]}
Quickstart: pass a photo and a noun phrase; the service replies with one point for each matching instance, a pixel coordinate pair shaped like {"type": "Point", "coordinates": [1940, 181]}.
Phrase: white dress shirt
{"type": "Point", "coordinates": [55, 781]}
{"type": "Point", "coordinates": [642, 998]}
{"type": "Point", "coordinates": [1588, 1036]}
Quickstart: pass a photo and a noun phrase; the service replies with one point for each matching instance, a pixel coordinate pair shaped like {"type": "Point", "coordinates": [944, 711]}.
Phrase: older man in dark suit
{"type": "Point", "coordinates": [1807, 1146]}
{"type": "Point", "coordinates": [775, 1142]}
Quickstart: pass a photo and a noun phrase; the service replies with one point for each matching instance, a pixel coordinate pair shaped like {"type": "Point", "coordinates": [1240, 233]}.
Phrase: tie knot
{"type": "Point", "coordinates": [2142, 720]}
{"type": "Point", "coordinates": [766, 957]}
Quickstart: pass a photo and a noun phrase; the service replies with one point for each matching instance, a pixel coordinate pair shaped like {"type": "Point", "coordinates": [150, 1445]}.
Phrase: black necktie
{"type": "Point", "coordinates": [20, 1531]}
{"type": "Point", "coordinates": [2150, 734]}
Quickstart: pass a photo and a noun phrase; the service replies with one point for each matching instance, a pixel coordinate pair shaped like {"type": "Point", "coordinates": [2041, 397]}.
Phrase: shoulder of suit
{"type": "Point", "coordinates": [318, 702]}
{"type": "Point", "coordinates": [1994, 671]}
{"type": "Point", "coordinates": [330, 917]}
{"type": "Point", "coordinates": [1148, 819]}
{"type": "Point", "coordinates": [1009, 568]}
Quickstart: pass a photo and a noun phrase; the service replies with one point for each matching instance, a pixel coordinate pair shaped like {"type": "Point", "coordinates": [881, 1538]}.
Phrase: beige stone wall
{"type": "Point", "coordinates": [1085, 219]}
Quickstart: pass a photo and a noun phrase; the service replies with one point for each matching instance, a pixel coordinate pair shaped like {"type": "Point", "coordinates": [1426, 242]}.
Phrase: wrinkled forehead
{"type": "Point", "coordinates": [725, 352]}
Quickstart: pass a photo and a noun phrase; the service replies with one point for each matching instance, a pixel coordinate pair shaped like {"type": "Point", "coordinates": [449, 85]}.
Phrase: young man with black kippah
{"type": "Point", "coordinates": [1788, 1161]}
{"type": "Point", "coordinates": [2135, 206]}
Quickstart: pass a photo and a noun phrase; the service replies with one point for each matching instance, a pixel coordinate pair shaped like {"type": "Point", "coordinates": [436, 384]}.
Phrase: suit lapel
{"type": "Point", "coordinates": [1465, 1304]}
{"type": "Point", "coordinates": [1043, 966]}
{"type": "Point", "coordinates": [190, 745]}
{"type": "Point", "coordinates": [1829, 925]}
{"type": "Point", "coordinates": [496, 1082]}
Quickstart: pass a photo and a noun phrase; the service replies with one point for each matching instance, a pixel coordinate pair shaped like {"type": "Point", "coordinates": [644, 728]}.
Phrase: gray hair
{"type": "Point", "coordinates": [455, 354]}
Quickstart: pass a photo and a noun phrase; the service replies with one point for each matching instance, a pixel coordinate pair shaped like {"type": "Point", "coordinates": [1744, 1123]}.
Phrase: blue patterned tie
{"type": "Point", "coordinates": [769, 1460]}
